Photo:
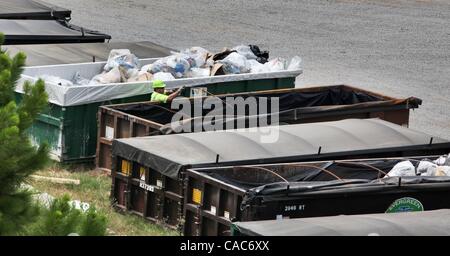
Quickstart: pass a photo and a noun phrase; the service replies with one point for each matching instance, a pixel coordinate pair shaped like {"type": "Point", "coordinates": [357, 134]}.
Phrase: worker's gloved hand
{"type": "Point", "coordinates": [182, 88]}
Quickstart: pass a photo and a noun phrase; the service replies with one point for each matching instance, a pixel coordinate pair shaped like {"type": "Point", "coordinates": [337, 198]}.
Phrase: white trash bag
{"type": "Point", "coordinates": [199, 72]}
{"type": "Point", "coordinates": [443, 160]}
{"type": "Point", "coordinates": [426, 168]}
{"type": "Point", "coordinates": [404, 168]}
{"type": "Point", "coordinates": [164, 76]}
{"type": "Point", "coordinates": [295, 64]}
{"type": "Point", "coordinates": [147, 68]}
{"type": "Point", "coordinates": [113, 76]}
{"type": "Point", "coordinates": [121, 58]}
{"type": "Point", "coordinates": [179, 65]}
{"type": "Point", "coordinates": [275, 65]}
{"type": "Point", "coordinates": [235, 63]}
{"type": "Point", "coordinates": [126, 74]}
{"type": "Point", "coordinates": [198, 54]}
{"type": "Point", "coordinates": [245, 51]}
{"type": "Point", "coordinates": [256, 67]}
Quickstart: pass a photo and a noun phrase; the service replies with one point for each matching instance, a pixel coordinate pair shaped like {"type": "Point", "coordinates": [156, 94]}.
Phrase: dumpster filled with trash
{"type": "Point", "coordinates": [148, 173]}
{"type": "Point", "coordinates": [300, 105]}
{"type": "Point", "coordinates": [77, 90]}
{"type": "Point", "coordinates": [216, 197]}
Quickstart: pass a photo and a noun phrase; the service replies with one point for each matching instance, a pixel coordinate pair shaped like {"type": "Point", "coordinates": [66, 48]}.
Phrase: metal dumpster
{"type": "Point", "coordinates": [69, 125]}
{"type": "Point", "coordinates": [301, 105]}
{"type": "Point", "coordinates": [32, 9]}
{"type": "Point", "coordinates": [215, 197]}
{"type": "Point", "coordinates": [427, 223]}
{"type": "Point", "coordinates": [154, 166]}
{"type": "Point", "coordinates": [47, 32]}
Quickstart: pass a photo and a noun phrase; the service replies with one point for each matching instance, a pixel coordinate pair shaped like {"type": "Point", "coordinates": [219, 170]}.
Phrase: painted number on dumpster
{"type": "Point", "coordinates": [147, 187]}
{"type": "Point", "coordinates": [290, 208]}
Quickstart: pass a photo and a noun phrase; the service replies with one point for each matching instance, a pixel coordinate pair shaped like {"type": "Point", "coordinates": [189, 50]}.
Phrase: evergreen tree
{"type": "Point", "coordinates": [94, 224]}
{"type": "Point", "coordinates": [62, 219]}
{"type": "Point", "coordinates": [18, 158]}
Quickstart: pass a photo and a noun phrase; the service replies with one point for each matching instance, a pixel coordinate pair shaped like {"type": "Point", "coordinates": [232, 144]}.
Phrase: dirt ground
{"type": "Point", "coordinates": [399, 48]}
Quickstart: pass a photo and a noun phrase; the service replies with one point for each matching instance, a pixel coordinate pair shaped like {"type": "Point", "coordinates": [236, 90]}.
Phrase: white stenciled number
{"type": "Point", "coordinates": [289, 208]}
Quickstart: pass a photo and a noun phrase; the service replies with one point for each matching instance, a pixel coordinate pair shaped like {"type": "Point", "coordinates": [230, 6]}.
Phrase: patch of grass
{"type": "Point", "coordinates": [95, 188]}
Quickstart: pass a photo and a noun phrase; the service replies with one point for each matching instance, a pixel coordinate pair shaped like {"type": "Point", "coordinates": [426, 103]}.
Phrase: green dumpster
{"type": "Point", "coordinates": [69, 125]}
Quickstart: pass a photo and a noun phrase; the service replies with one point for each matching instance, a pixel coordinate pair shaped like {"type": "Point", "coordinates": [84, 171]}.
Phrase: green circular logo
{"type": "Point", "coordinates": [405, 204]}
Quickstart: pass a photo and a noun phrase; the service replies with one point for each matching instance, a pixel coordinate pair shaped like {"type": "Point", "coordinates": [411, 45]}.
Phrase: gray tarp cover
{"type": "Point", "coordinates": [169, 153]}
{"type": "Point", "coordinates": [54, 54]}
{"type": "Point", "coordinates": [393, 224]}
{"type": "Point", "coordinates": [45, 31]}
{"type": "Point", "coordinates": [31, 9]}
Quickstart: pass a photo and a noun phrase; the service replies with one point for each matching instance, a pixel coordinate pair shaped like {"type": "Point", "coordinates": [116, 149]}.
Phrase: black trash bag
{"type": "Point", "coordinates": [262, 56]}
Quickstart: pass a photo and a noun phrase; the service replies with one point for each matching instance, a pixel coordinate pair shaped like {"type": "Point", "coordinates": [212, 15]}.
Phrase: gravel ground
{"type": "Point", "coordinates": [399, 48]}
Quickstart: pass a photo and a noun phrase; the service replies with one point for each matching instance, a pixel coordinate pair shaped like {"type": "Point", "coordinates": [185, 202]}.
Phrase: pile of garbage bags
{"type": "Point", "coordinates": [424, 167]}
{"type": "Point", "coordinates": [123, 66]}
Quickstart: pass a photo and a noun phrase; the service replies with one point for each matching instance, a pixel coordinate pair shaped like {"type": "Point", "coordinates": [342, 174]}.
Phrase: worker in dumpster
{"type": "Point", "coordinates": [159, 93]}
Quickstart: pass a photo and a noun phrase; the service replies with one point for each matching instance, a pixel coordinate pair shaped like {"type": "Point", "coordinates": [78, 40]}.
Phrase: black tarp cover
{"type": "Point", "coordinates": [427, 223]}
{"type": "Point", "coordinates": [46, 32]}
{"type": "Point", "coordinates": [168, 154]}
{"type": "Point", "coordinates": [55, 54]}
{"type": "Point", "coordinates": [31, 9]}
{"type": "Point", "coordinates": [293, 104]}
{"type": "Point", "coordinates": [345, 187]}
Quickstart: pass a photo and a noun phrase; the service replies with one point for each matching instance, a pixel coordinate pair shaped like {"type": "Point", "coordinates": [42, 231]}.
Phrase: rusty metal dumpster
{"type": "Point", "coordinates": [150, 170]}
{"type": "Point", "coordinates": [215, 197]}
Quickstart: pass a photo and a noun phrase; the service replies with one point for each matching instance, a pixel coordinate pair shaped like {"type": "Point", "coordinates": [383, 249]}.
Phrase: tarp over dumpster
{"type": "Point", "coordinates": [294, 104]}
{"type": "Point", "coordinates": [31, 9]}
{"type": "Point", "coordinates": [427, 223]}
{"type": "Point", "coordinates": [55, 54]}
{"type": "Point", "coordinates": [311, 103]}
{"type": "Point", "coordinates": [47, 32]}
{"type": "Point", "coordinates": [350, 137]}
